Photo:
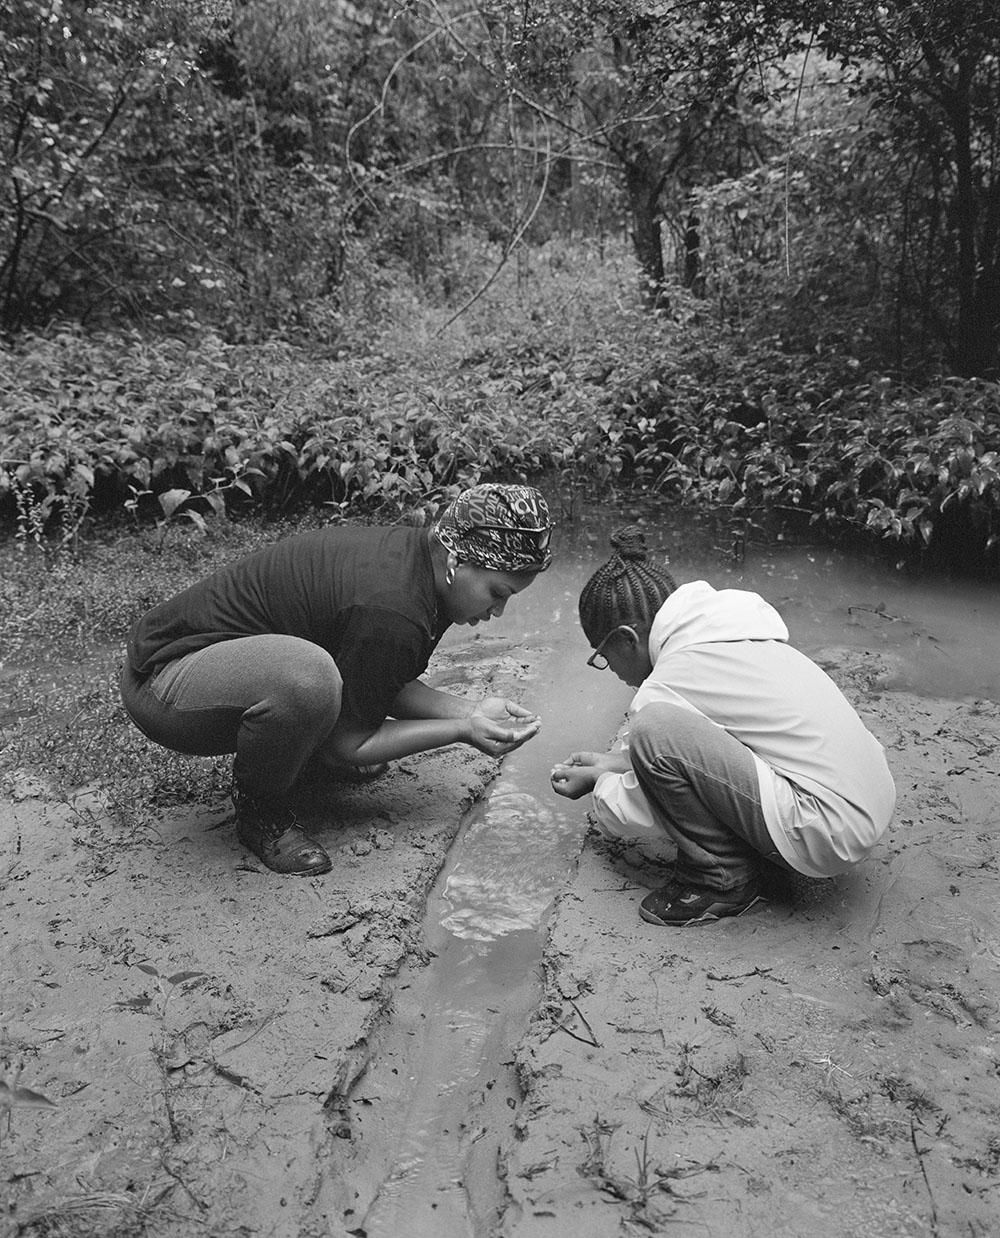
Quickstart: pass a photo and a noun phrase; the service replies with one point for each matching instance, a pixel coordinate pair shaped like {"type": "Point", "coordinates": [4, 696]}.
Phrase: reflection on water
{"type": "Point", "coordinates": [424, 1192]}
{"type": "Point", "coordinates": [513, 859]}
{"type": "Point", "coordinates": [941, 637]}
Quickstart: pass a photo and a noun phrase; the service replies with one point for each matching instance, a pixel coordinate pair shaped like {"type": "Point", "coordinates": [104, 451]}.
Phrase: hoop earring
{"type": "Point", "coordinates": [449, 571]}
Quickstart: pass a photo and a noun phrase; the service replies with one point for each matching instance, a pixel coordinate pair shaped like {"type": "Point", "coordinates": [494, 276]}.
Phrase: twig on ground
{"type": "Point", "coordinates": [763, 972]}
{"type": "Point", "coordinates": [875, 610]}
{"type": "Point", "coordinates": [923, 1171]}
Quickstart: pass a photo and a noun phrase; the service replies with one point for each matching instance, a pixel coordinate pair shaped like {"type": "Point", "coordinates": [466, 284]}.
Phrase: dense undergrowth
{"type": "Point", "coordinates": [407, 413]}
{"type": "Point", "coordinates": [809, 439]}
{"type": "Point", "coordinates": [557, 370]}
{"type": "Point", "coordinates": [563, 377]}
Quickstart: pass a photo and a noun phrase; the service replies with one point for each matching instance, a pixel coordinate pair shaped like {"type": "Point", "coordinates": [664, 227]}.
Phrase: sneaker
{"type": "Point", "coordinates": [275, 837]}
{"type": "Point", "coordinates": [677, 903]}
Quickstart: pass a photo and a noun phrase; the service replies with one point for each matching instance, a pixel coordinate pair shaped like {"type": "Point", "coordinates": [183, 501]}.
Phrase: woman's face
{"type": "Point", "coordinates": [478, 594]}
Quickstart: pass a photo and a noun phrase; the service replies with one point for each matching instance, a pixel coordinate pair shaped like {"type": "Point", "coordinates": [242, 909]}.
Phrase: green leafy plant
{"type": "Point", "coordinates": [168, 987]}
{"type": "Point", "coordinates": [767, 433]}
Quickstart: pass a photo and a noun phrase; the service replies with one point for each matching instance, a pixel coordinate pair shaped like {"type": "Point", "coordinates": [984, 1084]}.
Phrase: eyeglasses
{"type": "Point", "coordinates": [598, 659]}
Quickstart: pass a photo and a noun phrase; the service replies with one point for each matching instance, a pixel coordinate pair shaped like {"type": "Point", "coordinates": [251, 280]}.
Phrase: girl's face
{"type": "Point", "coordinates": [478, 594]}
{"type": "Point", "coordinates": [627, 654]}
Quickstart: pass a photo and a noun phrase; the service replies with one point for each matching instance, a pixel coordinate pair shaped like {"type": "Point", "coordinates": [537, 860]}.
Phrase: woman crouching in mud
{"type": "Point", "coordinates": [310, 650]}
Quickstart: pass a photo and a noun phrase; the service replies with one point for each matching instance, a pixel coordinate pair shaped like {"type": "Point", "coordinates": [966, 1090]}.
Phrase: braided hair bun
{"type": "Point", "coordinates": [630, 543]}
{"type": "Point", "coordinates": [627, 589]}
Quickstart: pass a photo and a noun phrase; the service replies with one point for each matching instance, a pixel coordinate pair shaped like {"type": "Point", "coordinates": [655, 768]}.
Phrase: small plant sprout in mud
{"type": "Point", "coordinates": [648, 1179]}
{"type": "Point", "coordinates": [169, 986]}
{"type": "Point", "coordinates": [178, 979]}
{"type": "Point", "coordinates": [641, 1193]}
{"type": "Point", "coordinates": [166, 1053]}
{"type": "Point", "coordinates": [14, 1096]}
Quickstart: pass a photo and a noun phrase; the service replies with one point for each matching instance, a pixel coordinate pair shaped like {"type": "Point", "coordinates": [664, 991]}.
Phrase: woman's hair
{"type": "Point", "coordinates": [626, 589]}
{"type": "Point", "coordinates": [504, 527]}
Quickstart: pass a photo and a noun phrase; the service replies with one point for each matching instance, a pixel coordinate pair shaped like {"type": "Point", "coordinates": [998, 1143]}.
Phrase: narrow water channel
{"type": "Point", "coordinates": [445, 1069]}
{"type": "Point", "coordinates": [441, 1089]}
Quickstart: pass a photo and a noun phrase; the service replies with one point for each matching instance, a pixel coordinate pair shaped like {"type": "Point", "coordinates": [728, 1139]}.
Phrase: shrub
{"type": "Point", "coordinates": [92, 424]}
{"type": "Point", "coordinates": [554, 371]}
{"type": "Point", "coordinates": [777, 433]}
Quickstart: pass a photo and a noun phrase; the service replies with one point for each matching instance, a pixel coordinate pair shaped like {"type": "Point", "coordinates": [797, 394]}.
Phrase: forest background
{"type": "Point", "coordinates": [742, 252]}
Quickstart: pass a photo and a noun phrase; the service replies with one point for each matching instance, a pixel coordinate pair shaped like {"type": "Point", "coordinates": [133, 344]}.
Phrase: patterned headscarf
{"type": "Point", "coordinates": [506, 528]}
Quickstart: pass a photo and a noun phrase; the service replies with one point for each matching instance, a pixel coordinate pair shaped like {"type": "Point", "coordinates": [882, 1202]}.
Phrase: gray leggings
{"type": "Point", "coordinates": [703, 783]}
{"type": "Point", "coordinates": [271, 700]}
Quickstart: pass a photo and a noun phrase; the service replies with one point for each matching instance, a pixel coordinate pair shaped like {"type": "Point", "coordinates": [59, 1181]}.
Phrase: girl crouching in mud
{"type": "Point", "coordinates": [739, 747]}
{"type": "Point", "coordinates": [310, 650]}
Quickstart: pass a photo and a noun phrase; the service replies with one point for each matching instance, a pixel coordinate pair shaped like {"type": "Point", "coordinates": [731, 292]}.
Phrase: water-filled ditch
{"type": "Point", "coordinates": [440, 1091]}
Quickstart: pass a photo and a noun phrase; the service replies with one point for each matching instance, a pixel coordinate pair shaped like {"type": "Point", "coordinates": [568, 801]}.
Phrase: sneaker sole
{"type": "Point", "coordinates": [706, 917]}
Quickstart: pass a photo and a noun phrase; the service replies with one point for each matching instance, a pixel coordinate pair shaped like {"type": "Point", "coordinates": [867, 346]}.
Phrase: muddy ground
{"type": "Point", "coordinates": [182, 1028]}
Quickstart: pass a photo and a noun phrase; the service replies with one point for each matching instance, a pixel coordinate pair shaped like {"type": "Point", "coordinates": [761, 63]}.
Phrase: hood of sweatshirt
{"type": "Point", "coordinates": [696, 614]}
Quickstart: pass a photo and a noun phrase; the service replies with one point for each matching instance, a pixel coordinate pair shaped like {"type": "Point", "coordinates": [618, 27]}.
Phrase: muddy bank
{"type": "Point", "coordinates": [191, 1023]}
{"type": "Point", "coordinates": [214, 1087]}
{"type": "Point", "coordinates": [828, 1066]}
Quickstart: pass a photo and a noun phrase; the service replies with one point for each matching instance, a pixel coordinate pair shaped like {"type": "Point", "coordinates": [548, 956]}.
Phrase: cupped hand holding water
{"type": "Point", "coordinates": [501, 710]}
{"type": "Point", "coordinates": [577, 775]}
{"type": "Point", "coordinates": [499, 726]}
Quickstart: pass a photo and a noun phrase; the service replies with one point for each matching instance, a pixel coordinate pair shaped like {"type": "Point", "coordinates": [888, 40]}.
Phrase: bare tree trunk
{"type": "Point", "coordinates": [978, 329]}
{"type": "Point", "coordinates": [693, 279]}
{"type": "Point", "coordinates": [643, 188]}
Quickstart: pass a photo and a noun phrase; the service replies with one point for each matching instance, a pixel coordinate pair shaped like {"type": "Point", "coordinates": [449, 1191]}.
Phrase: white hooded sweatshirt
{"type": "Point", "coordinates": [825, 788]}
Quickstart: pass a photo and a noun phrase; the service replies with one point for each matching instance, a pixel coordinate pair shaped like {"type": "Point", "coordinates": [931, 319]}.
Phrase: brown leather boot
{"type": "Point", "coordinates": [275, 837]}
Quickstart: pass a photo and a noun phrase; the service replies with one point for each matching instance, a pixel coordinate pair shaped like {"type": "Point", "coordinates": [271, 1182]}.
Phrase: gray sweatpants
{"type": "Point", "coordinates": [703, 784]}
{"type": "Point", "coordinates": [271, 700]}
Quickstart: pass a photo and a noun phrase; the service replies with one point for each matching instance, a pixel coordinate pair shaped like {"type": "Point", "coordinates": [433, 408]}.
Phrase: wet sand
{"type": "Point", "coordinates": [827, 1066]}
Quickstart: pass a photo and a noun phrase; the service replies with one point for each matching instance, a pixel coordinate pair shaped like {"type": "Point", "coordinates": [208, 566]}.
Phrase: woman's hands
{"type": "Point", "coordinates": [424, 718]}
{"type": "Point", "coordinates": [578, 774]}
{"type": "Point", "coordinates": [498, 726]}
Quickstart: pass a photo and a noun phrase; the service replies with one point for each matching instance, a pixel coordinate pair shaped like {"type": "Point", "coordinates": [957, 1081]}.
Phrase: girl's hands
{"type": "Point", "coordinates": [579, 773]}
{"type": "Point", "coordinates": [498, 726]}
{"type": "Point", "coordinates": [576, 775]}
